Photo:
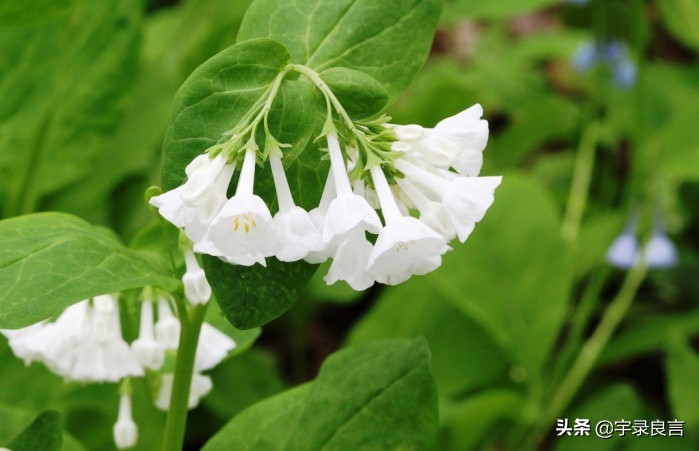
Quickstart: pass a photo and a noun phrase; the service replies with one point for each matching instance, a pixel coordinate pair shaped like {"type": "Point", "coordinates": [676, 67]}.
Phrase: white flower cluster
{"type": "Point", "coordinates": [85, 344]}
{"type": "Point", "coordinates": [437, 179]}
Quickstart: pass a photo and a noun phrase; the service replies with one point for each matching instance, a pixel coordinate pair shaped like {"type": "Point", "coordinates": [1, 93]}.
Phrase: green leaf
{"type": "Point", "coordinates": [360, 95]}
{"type": "Point", "coordinates": [682, 372]}
{"type": "Point", "coordinates": [49, 261]}
{"type": "Point", "coordinates": [44, 433]}
{"type": "Point", "coordinates": [378, 395]}
{"type": "Point", "coordinates": [388, 40]}
{"type": "Point", "coordinates": [467, 424]}
{"type": "Point", "coordinates": [64, 97]}
{"type": "Point", "coordinates": [682, 18]}
{"type": "Point", "coordinates": [250, 296]}
{"type": "Point", "coordinates": [13, 421]}
{"type": "Point", "coordinates": [414, 309]}
{"type": "Point", "coordinates": [517, 292]}
{"type": "Point", "coordinates": [212, 101]}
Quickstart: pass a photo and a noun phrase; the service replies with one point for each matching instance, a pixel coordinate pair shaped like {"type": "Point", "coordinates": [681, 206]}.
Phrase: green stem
{"type": "Point", "coordinates": [579, 320]}
{"type": "Point", "coordinates": [327, 92]}
{"type": "Point", "coordinates": [184, 368]}
{"type": "Point", "coordinates": [592, 348]}
{"type": "Point", "coordinates": [580, 188]}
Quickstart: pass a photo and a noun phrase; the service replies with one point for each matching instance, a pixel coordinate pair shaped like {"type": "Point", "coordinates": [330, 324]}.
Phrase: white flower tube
{"type": "Point", "coordinates": [432, 213]}
{"type": "Point", "coordinates": [465, 199]}
{"type": "Point", "coordinates": [167, 328]}
{"type": "Point", "coordinates": [196, 288]}
{"type": "Point", "coordinates": [195, 220]}
{"type": "Point", "coordinates": [347, 212]}
{"type": "Point", "coordinates": [317, 215]}
{"type": "Point", "coordinates": [297, 234]}
{"type": "Point", "coordinates": [212, 348]}
{"type": "Point", "coordinates": [147, 351]}
{"type": "Point", "coordinates": [242, 233]}
{"type": "Point", "coordinates": [125, 430]}
{"type": "Point", "coordinates": [406, 246]}
{"type": "Point", "coordinates": [201, 386]}
{"type": "Point", "coordinates": [350, 261]}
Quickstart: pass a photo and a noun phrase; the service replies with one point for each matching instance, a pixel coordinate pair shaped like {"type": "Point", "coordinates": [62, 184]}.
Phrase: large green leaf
{"type": "Point", "coordinates": [389, 40]}
{"type": "Point", "coordinates": [414, 309]}
{"type": "Point", "coordinates": [63, 83]}
{"type": "Point", "coordinates": [377, 395]}
{"type": "Point", "coordinates": [682, 373]}
{"type": "Point", "coordinates": [212, 101]}
{"type": "Point", "coordinates": [515, 290]}
{"type": "Point", "coordinates": [49, 261]}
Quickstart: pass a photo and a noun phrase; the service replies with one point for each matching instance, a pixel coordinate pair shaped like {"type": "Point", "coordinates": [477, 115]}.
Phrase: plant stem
{"type": "Point", "coordinates": [592, 348]}
{"type": "Point", "coordinates": [580, 188]}
{"type": "Point", "coordinates": [184, 368]}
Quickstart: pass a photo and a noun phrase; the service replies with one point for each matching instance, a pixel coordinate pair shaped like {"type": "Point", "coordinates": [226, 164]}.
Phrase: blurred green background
{"type": "Point", "coordinates": [86, 88]}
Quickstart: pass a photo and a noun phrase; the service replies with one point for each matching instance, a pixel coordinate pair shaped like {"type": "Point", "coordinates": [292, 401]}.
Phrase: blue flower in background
{"type": "Point", "coordinates": [625, 249]}
{"type": "Point", "coordinates": [611, 54]}
{"type": "Point", "coordinates": [660, 250]}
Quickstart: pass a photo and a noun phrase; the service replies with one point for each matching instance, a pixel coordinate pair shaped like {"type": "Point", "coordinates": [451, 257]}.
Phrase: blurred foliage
{"type": "Point", "coordinates": [504, 313]}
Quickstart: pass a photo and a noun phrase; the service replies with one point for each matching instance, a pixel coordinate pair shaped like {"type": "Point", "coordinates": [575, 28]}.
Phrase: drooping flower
{"type": "Point", "coordinates": [348, 212]}
{"type": "Point", "coordinates": [613, 55]}
{"type": "Point", "coordinates": [297, 234]}
{"type": "Point", "coordinates": [167, 328]}
{"type": "Point", "coordinates": [194, 205]}
{"type": "Point", "coordinates": [465, 199]}
{"type": "Point", "coordinates": [125, 430]}
{"type": "Point", "coordinates": [201, 386]}
{"type": "Point", "coordinates": [660, 251]}
{"type": "Point", "coordinates": [196, 288]}
{"type": "Point", "coordinates": [102, 355]}
{"type": "Point", "coordinates": [212, 348]}
{"type": "Point", "coordinates": [350, 261]}
{"type": "Point", "coordinates": [146, 349]}
{"type": "Point", "coordinates": [405, 246]}
{"type": "Point", "coordinates": [242, 233]}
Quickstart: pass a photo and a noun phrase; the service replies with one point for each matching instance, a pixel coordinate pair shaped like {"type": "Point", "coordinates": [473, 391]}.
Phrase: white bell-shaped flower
{"type": "Point", "coordinates": [405, 246]}
{"type": "Point", "coordinates": [212, 348]}
{"type": "Point", "coordinates": [102, 355]}
{"type": "Point", "coordinates": [297, 234]}
{"type": "Point", "coordinates": [242, 233]}
{"type": "Point", "coordinates": [167, 328]}
{"type": "Point", "coordinates": [28, 342]}
{"type": "Point", "coordinates": [470, 133]}
{"type": "Point", "coordinates": [465, 199]}
{"type": "Point", "coordinates": [195, 219]}
{"type": "Point", "coordinates": [348, 212]}
{"type": "Point", "coordinates": [201, 386]}
{"type": "Point", "coordinates": [432, 213]}
{"type": "Point", "coordinates": [350, 261]}
{"type": "Point", "coordinates": [125, 430]}
{"type": "Point", "coordinates": [317, 215]}
{"type": "Point", "coordinates": [146, 349]}
{"type": "Point", "coordinates": [196, 288]}
{"type": "Point", "coordinates": [201, 182]}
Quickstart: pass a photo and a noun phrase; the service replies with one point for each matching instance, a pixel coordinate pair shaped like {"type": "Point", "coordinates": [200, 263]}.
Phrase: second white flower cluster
{"type": "Point", "coordinates": [434, 177]}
